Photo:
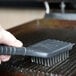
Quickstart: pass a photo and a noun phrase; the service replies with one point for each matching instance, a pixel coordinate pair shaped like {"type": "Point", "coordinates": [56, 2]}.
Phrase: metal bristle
{"type": "Point", "coordinates": [51, 52]}
{"type": "Point", "coordinates": [52, 60]}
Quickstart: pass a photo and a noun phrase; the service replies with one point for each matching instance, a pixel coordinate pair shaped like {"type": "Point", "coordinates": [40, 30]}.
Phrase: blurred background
{"type": "Point", "coordinates": [16, 12]}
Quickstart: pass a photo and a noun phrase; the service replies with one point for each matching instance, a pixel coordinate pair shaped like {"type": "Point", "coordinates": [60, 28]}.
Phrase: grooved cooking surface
{"type": "Point", "coordinates": [34, 32]}
{"type": "Point", "coordinates": [66, 68]}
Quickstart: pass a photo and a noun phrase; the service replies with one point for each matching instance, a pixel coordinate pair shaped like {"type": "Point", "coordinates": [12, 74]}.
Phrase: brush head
{"type": "Point", "coordinates": [49, 48]}
{"type": "Point", "coordinates": [50, 52]}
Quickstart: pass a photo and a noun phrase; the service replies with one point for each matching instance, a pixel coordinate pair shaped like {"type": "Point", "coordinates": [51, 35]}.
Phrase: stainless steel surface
{"type": "Point", "coordinates": [61, 16]}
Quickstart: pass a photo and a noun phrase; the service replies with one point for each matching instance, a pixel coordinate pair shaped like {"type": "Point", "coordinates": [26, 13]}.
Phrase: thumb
{"type": "Point", "coordinates": [8, 39]}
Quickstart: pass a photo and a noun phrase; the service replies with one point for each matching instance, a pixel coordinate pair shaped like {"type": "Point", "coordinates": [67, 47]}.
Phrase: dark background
{"type": "Point", "coordinates": [36, 3]}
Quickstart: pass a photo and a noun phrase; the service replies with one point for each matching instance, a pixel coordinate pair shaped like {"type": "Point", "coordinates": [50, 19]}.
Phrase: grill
{"type": "Point", "coordinates": [54, 29]}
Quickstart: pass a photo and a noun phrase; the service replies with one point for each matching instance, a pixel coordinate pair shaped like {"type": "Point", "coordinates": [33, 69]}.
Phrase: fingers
{"type": "Point", "coordinates": [4, 58]}
{"type": "Point", "coordinates": [8, 39]}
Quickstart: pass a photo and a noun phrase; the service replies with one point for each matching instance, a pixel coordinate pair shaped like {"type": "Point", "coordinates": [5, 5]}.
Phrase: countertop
{"type": "Point", "coordinates": [11, 17]}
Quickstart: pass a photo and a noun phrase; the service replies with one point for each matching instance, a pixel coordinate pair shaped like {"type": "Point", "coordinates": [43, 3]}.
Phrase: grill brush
{"type": "Point", "coordinates": [47, 52]}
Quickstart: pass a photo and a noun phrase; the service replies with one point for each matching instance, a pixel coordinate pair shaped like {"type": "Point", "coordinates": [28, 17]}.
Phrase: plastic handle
{"type": "Point", "coordinates": [9, 50]}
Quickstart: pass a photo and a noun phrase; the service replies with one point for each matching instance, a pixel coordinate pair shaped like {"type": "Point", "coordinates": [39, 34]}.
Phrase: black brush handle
{"type": "Point", "coordinates": [9, 50]}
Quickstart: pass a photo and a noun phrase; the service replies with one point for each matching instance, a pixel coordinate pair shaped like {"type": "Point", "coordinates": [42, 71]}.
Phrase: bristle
{"type": "Point", "coordinates": [52, 60]}
{"type": "Point", "coordinates": [56, 51]}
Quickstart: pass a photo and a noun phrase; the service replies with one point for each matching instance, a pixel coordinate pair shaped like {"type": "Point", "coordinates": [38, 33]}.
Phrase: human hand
{"type": "Point", "coordinates": [8, 39]}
